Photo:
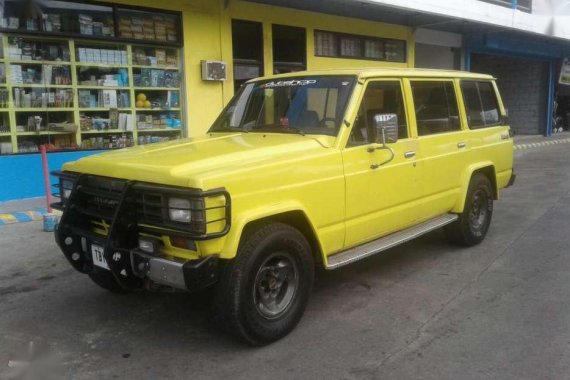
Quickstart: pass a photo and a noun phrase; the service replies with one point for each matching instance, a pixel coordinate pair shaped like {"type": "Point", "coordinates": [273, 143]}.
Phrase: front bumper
{"type": "Point", "coordinates": [114, 206]}
{"type": "Point", "coordinates": [136, 269]}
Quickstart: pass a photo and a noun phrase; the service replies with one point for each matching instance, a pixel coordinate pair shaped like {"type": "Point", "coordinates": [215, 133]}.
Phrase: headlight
{"type": "Point", "coordinates": [179, 210]}
{"type": "Point", "coordinates": [65, 187]}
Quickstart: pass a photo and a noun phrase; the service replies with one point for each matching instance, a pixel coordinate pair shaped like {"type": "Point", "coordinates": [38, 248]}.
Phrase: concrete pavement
{"type": "Point", "coordinates": [425, 310]}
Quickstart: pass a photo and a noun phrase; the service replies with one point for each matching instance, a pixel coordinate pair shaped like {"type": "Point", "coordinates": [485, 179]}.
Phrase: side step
{"type": "Point", "coordinates": [368, 249]}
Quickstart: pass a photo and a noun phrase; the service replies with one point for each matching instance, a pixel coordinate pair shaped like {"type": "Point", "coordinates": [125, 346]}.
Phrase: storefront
{"type": "Point", "coordinates": [80, 77]}
{"type": "Point", "coordinates": [527, 71]}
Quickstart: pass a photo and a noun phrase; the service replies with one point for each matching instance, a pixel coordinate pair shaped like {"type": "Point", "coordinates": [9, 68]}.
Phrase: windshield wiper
{"type": "Point", "coordinates": [279, 128]}
{"type": "Point", "coordinates": [231, 129]}
{"type": "Point", "coordinates": [295, 130]}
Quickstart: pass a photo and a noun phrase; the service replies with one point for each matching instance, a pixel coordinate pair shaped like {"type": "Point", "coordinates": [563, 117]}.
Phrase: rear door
{"type": "Point", "coordinates": [380, 192]}
{"type": "Point", "coordinates": [489, 135]}
{"type": "Point", "coordinates": [443, 143]}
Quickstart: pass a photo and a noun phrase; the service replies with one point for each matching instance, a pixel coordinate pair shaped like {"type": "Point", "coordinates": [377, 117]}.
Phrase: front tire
{"type": "Point", "coordinates": [473, 223]}
{"type": "Point", "coordinates": [264, 291]}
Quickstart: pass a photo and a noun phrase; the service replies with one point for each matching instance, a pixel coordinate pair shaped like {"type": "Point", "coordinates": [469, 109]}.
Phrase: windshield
{"type": "Point", "coordinates": [305, 105]}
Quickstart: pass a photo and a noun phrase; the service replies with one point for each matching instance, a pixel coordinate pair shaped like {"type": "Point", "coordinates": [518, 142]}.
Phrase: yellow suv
{"type": "Point", "coordinates": [298, 171]}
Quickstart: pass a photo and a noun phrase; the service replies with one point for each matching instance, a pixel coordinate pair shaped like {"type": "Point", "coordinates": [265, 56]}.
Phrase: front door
{"type": "Point", "coordinates": [380, 191]}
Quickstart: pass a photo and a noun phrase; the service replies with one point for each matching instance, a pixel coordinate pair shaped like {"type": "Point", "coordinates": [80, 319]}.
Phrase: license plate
{"type": "Point", "coordinates": [98, 258]}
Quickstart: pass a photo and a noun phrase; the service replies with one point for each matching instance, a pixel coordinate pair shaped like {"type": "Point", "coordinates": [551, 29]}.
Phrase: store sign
{"type": "Point", "coordinates": [565, 72]}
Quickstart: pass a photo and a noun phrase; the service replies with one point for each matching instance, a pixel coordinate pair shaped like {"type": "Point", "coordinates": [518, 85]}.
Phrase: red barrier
{"type": "Point", "coordinates": [46, 177]}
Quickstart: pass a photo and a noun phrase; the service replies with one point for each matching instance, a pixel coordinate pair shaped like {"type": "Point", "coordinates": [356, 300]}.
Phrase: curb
{"type": "Point", "coordinates": [541, 144]}
{"type": "Point", "coordinates": [23, 216]}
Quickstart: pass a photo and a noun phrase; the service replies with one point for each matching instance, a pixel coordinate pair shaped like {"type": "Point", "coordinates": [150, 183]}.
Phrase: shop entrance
{"type": "Point", "coordinates": [561, 115]}
{"type": "Point", "coordinates": [562, 109]}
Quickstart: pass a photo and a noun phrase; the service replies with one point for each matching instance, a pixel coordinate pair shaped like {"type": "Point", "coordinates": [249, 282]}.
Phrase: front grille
{"type": "Point", "coordinates": [150, 208]}
{"type": "Point", "coordinates": [98, 197]}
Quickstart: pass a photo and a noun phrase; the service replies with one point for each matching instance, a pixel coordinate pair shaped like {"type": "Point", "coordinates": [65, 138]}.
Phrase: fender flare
{"type": "Point", "coordinates": [241, 220]}
{"type": "Point", "coordinates": [466, 179]}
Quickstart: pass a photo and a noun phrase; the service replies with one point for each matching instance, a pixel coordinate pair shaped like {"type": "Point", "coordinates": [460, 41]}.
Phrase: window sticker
{"type": "Point", "coordinates": [289, 83]}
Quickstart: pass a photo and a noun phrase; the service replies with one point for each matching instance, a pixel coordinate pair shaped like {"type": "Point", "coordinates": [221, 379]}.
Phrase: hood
{"type": "Point", "coordinates": [179, 162]}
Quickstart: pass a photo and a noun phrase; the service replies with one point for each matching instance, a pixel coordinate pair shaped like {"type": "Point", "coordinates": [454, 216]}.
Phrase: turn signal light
{"type": "Point", "coordinates": [179, 242]}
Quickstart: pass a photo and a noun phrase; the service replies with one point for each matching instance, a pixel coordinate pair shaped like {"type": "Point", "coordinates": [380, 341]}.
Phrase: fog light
{"type": "Point", "coordinates": [149, 245]}
{"type": "Point", "coordinates": [75, 256]}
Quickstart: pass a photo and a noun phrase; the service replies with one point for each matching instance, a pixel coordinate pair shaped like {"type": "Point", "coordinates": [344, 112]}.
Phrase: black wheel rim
{"type": "Point", "coordinates": [276, 284]}
{"type": "Point", "coordinates": [479, 210]}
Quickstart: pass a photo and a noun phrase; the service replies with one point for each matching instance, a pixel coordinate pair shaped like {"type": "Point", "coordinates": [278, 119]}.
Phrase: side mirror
{"type": "Point", "coordinates": [386, 126]}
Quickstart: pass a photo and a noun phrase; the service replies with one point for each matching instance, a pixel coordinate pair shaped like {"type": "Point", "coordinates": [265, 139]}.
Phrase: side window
{"type": "Point", "coordinates": [380, 97]}
{"type": "Point", "coordinates": [436, 107]}
{"type": "Point", "coordinates": [481, 104]}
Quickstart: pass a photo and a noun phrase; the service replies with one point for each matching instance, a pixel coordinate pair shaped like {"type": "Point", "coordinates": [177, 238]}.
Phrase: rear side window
{"type": "Point", "coordinates": [481, 104]}
{"type": "Point", "coordinates": [436, 107]}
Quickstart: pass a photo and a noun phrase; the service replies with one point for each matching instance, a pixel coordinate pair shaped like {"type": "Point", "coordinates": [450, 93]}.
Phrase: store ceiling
{"type": "Point", "coordinates": [376, 12]}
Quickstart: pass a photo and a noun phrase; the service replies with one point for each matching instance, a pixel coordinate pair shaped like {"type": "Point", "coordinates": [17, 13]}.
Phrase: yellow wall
{"type": "Point", "coordinates": [207, 36]}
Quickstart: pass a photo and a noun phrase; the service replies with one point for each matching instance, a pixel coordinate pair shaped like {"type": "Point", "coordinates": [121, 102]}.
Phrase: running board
{"type": "Point", "coordinates": [368, 249]}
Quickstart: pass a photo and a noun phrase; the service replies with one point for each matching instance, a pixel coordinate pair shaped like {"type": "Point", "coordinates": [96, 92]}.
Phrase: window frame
{"type": "Point", "coordinates": [456, 89]}
{"type": "Point", "coordinates": [362, 38]}
{"type": "Point", "coordinates": [361, 98]}
{"type": "Point", "coordinates": [294, 66]}
{"type": "Point", "coordinates": [499, 110]}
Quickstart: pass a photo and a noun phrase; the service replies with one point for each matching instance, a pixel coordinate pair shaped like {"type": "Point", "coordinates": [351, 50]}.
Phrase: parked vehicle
{"type": "Point", "coordinates": [298, 171]}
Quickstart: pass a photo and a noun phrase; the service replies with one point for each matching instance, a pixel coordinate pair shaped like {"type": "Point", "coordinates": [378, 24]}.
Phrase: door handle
{"type": "Point", "coordinates": [461, 145]}
{"type": "Point", "coordinates": [409, 154]}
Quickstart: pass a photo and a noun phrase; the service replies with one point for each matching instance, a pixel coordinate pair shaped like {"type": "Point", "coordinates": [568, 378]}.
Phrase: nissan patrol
{"type": "Point", "coordinates": [298, 171]}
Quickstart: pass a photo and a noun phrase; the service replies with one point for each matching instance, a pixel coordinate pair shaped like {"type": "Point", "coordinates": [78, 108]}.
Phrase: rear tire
{"type": "Point", "coordinates": [106, 281]}
{"type": "Point", "coordinates": [473, 223]}
{"type": "Point", "coordinates": [263, 292]}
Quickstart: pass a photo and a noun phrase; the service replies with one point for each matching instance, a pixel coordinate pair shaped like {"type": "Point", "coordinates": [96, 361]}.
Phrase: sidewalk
{"type": "Point", "coordinates": [21, 211]}
{"type": "Point", "coordinates": [538, 141]}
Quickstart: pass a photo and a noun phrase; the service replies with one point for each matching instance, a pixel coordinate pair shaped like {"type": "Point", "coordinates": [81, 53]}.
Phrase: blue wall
{"type": "Point", "coordinates": [22, 177]}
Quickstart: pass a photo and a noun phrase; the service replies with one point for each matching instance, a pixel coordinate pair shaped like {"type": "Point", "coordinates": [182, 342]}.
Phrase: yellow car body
{"type": "Point", "coordinates": [319, 183]}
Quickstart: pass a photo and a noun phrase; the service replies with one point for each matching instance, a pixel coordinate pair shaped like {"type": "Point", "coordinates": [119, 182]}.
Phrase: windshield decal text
{"type": "Point", "coordinates": [289, 83]}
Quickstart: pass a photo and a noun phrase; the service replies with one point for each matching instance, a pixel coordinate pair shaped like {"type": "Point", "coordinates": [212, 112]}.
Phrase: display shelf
{"type": "Point", "coordinates": [155, 130]}
{"type": "Point", "coordinates": [157, 109]}
{"type": "Point", "coordinates": [104, 109]}
{"type": "Point", "coordinates": [44, 133]}
{"type": "Point", "coordinates": [32, 62]}
{"type": "Point", "coordinates": [81, 71]}
{"type": "Point", "coordinates": [103, 131]}
{"type": "Point", "coordinates": [100, 65]}
{"type": "Point", "coordinates": [157, 88]}
{"type": "Point", "coordinates": [41, 109]}
{"type": "Point", "coordinates": [94, 87]}
{"type": "Point", "coordinates": [157, 67]}
{"type": "Point", "coordinates": [46, 86]}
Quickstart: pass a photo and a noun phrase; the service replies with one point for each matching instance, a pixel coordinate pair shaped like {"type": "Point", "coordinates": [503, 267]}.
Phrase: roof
{"type": "Point", "coordinates": [385, 72]}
